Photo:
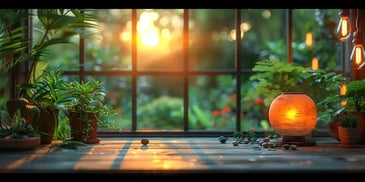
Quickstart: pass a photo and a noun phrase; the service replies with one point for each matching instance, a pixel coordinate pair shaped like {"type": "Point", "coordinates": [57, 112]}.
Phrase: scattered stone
{"type": "Point", "coordinates": [145, 141]}
{"type": "Point", "coordinates": [286, 146]}
{"type": "Point", "coordinates": [222, 139]}
{"type": "Point", "coordinates": [293, 147]}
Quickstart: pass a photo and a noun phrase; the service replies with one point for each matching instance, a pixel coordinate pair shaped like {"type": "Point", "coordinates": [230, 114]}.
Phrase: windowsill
{"type": "Point", "coordinates": [184, 155]}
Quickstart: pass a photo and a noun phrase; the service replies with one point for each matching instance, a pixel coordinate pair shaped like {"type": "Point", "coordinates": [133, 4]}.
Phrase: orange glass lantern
{"type": "Point", "coordinates": [293, 115]}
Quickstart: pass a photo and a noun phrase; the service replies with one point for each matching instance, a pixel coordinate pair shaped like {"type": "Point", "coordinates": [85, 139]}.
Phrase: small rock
{"type": "Point", "coordinates": [145, 141]}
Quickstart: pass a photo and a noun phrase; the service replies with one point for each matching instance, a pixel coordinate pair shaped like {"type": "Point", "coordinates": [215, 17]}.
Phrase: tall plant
{"type": "Point", "coordinates": [58, 27]}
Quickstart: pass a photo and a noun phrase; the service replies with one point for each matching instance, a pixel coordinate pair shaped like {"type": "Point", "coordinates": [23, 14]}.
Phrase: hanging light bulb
{"type": "Point", "coordinates": [309, 39]}
{"type": "Point", "coordinates": [343, 88]}
{"type": "Point", "coordinates": [315, 64]}
{"type": "Point", "coordinates": [358, 53]}
{"type": "Point", "coordinates": [344, 27]}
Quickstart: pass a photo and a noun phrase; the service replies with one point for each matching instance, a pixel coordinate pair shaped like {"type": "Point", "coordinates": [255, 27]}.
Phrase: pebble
{"type": "Point", "coordinates": [145, 141]}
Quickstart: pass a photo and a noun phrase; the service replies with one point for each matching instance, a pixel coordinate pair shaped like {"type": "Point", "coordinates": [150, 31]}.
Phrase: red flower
{"type": "Point", "coordinates": [226, 110]}
{"type": "Point", "coordinates": [216, 112]}
{"type": "Point", "coordinates": [259, 101]}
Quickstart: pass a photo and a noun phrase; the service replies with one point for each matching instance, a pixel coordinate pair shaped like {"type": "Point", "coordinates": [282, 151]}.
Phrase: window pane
{"type": "Point", "coordinates": [118, 97]}
{"type": "Point", "coordinates": [212, 103]}
{"type": "Point", "coordinates": [254, 113]}
{"type": "Point", "coordinates": [320, 25]}
{"type": "Point", "coordinates": [159, 39]}
{"type": "Point", "coordinates": [111, 48]}
{"type": "Point", "coordinates": [263, 36]}
{"type": "Point", "coordinates": [160, 103]}
{"type": "Point", "coordinates": [211, 39]}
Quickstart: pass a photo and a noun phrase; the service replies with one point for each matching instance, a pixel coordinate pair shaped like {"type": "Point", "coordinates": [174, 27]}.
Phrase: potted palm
{"type": "Point", "coordinates": [84, 108]}
{"type": "Point", "coordinates": [58, 26]}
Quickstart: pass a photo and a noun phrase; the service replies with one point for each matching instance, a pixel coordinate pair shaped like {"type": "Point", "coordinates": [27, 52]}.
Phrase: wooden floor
{"type": "Point", "coordinates": [205, 155]}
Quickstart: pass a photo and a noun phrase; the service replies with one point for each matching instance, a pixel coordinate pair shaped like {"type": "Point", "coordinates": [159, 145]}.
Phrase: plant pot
{"type": "Point", "coordinates": [25, 143]}
{"type": "Point", "coordinates": [348, 136]}
{"type": "Point", "coordinates": [334, 125]}
{"type": "Point", "coordinates": [78, 128]}
{"type": "Point", "coordinates": [13, 105]}
{"type": "Point", "coordinates": [47, 125]}
{"type": "Point", "coordinates": [361, 126]}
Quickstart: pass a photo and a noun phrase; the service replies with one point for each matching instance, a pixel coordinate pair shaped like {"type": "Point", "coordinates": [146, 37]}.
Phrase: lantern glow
{"type": "Point", "coordinates": [293, 114]}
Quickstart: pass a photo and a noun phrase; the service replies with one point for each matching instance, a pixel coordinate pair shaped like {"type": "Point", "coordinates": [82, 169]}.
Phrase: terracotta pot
{"type": "Point", "coordinates": [361, 126]}
{"type": "Point", "coordinates": [333, 126]}
{"type": "Point", "coordinates": [348, 136]}
{"type": "Point", "coordinates": [20, 143]}
{"type": "Point", "coordinates": [77, 126]}
{"type": "Point", "coordinates": [47, 125]}
{"type": "Point", "coordinates": [13, 105]}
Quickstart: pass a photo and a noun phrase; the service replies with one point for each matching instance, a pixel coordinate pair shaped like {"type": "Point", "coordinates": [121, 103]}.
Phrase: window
{"type": "Point", "coordinates": [182, 70]}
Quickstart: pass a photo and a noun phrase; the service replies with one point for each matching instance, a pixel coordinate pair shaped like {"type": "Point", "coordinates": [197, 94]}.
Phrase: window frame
{"type": "Point", "coordinates": [134, 73]}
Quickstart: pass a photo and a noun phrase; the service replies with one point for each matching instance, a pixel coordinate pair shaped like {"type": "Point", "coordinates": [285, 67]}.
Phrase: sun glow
{"type": "Point", "coordinates": [148, 32]}
{"type": "Point", "coordinates": [150, 38]}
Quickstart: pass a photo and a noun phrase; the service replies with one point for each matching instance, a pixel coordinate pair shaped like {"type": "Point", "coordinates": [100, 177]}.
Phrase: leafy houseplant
{"type": "Point", "coordinates": [84, 108]}
{"type": "Point", "coordinates": [58, 26]}
{"type": "Point", "coordinates": [347, 120]}
{"type": "Point", "coordinates": [348, 128]}
{"type": "Point", "coordinates": [355, 96]}
{"type": "Point", "coordinates": [47, 93]}
{"type": "Point", "coordinates": [16, 132]}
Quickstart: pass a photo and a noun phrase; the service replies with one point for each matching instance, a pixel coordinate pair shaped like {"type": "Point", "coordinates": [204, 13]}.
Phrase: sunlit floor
{"type": "Point", "coordinates": [185, 156]}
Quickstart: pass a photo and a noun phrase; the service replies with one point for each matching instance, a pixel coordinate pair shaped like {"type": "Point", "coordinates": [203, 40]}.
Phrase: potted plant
{"type": "Point", "coordinates": [348, 129]}
{"type": "Point", "coordinates": [84, 108]}
{"type": "Point", "coordinates": [355, 96]}
{"type": "Point", "coordinates": [16, 132]}
{"type": "Point", "coordinates": [48, 93]}
{"type": "Point", "coordinates": [273, 77]}
{"type": "Point", "coordinates": [58, 26]}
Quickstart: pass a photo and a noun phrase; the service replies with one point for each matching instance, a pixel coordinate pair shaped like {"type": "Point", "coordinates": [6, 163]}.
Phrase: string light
{"type": "Point", "coordinates": [308, 39]}
{"type": "Point", "coordinates": [315, 64]}
{"type": "Point", "coordinates": [358, 53]}
{"type": "Point", "coordinates": [344, 26]}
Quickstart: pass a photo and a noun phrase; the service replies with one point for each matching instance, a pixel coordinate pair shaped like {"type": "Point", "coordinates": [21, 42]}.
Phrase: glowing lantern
{"type": "Point", "coordinates": [293, 115]}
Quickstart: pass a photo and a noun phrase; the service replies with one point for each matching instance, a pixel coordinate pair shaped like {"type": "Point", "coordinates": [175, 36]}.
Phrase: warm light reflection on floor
{"type": "Point", "coordinates": [27, 158]}
{"type": "Point", "coordinates": [159, 155]}
{"type": "Point", "coordinates": [182, 154]}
